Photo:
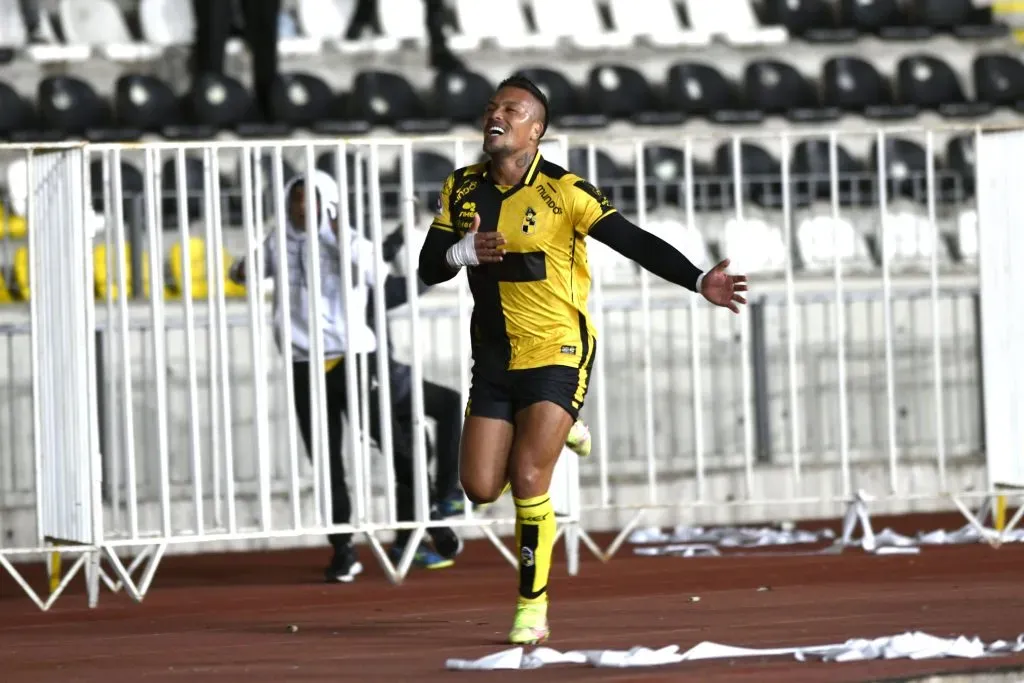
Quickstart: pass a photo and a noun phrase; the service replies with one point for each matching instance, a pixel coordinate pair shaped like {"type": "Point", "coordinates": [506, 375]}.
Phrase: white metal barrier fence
{"type": "Point", "coordinates": [195, 426]}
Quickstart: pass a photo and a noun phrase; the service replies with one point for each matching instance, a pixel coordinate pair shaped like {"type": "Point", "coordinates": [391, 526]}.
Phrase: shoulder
{"type": "Point", "coordinates": [568, 181]}
{"type": "Point", "coordinates": [461, 175]}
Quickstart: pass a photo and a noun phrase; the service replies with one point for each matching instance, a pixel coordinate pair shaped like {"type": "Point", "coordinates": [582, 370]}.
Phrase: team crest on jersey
{"type": "Point", "coordinates": [530, 222]}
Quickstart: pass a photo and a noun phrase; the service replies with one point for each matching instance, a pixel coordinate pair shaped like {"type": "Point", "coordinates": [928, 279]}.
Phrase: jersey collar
{"type": "Point", "coordinates": [528, 178]}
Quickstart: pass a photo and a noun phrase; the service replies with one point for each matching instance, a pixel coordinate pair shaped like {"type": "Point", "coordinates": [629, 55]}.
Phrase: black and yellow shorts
{"type": "Point", "coordinates": [501, 394]}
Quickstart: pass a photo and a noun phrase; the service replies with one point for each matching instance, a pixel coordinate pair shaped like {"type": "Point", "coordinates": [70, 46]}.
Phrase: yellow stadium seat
{"type": "Point", "coordinates": [5, 294]}
{"type": "Point", "coordinates": [21, 273]}
{"type": "Point", "coordinates": [11, 226]}
{"type": "Point", "coordinates": [104, 280]}
{"type": "Point", "coordinates": [197, 259]}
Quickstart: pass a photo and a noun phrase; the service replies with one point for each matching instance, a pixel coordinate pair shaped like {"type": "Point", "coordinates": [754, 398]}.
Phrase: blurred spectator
{"type": "Point", "coordinates": [214, 20]}
{"type": "Point", "coordinates": [441, 57]}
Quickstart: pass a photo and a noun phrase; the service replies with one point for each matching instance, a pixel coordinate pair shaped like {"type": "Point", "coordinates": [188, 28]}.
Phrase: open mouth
{"type": "Point", "coordinates": [495, 131]}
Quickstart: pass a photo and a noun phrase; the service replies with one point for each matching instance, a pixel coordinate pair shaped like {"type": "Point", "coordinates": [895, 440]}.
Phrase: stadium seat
{"type": "Point", "coordinates": [760, 172]}
{"type": "Point", "coordinates": [664, 176]}
{"type": "Point", "coordinates": [963, 17]}
{"type": "Point", "coordinates": [813, 20]}
{"type": "Point", "coordinates": [820, 238]}
{"type": "Point", "coordinates": [12, 226]}
{"type": "Point", "coordinates": [999, 80]}
{"type": "Point", "coordinates": [16, 182]}
{"type": "Point", "coordinates": [388, 99]}
{"type": "Point", "coordinates": [510, 31]}
{"type": "Point", "coordinates": [194, 190]}
{"type": "Point", "coordinates": [905, 168]}
{"type": "Point", "coordinates": [686, 238]}
{"type": "Point", "coordinates": [810, 167]}
{"type": "Point", "coordinates": [106, 278]}
{"type": "Point", "coordinates": [909, 237]}
{"type": "Point", "coordinates": [222, 103]}
{"type": "Point", "coordinates": [854, 85]}
{"type": "Point", "coordinates": [966, 235]}
{"type": "Point", "coordinates": [17, 116]}
{"type": "Point", "coordinates": [70, 106]}
{"type": "Point", "coordinates": [167, 23]}
{"type": "Point", "coordinates": [656, 22]}
{"type": "Point", "coordinates": [568, 109]}
{"type": "Point", "coordinates": [132, 189]}
{"type": "Point", "coordinates": [882, 17]}
{"type": "Point", "coordinates": [734, 21]}
{"type": "Point", "coordinates": [614, 180]}
{"type": "Point", "coordinates": [197, 262]}
{"type": "Point", "coordinates": [621, 92]}
{"type": "Point", "coordinates": [148, 104]}
{"type": "Point", "coordinates": [13, 32]}
{"type": "Point", "coordinates": [461, 96]}
{"type": "Point", "coordinates": [775, 87]}
{"type": "Point", "coordinates": [302, 100]}
{"type": "Point", "coordinates": [577, 21]}
{"type": "Point", "coordinates": [403, 20]}
{"type": "Point", "coordinates": [5, 293]}
{"type": "Point", "coordinates": [930, 83]}
{"type": "Point", "coordinates": [429, 171]}
{"type": "Point", "coordinates": [753, 244]}
{"type": "Point", "coordinates": [100, 25]}
{"type": "Point", "coordinates": [701, 90]}
{"type": "Point", "coordinates": [960, 161]}
{"type": "Point", "coordinates": [20, 274]}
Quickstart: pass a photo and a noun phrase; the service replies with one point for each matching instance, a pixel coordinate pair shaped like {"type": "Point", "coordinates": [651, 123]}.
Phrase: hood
{"type": "Point", "coordinates": [327, 191]}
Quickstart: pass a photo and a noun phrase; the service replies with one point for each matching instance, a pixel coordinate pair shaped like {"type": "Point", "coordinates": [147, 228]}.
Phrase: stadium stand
{"type": "Point", "coordinates": [659, 69]}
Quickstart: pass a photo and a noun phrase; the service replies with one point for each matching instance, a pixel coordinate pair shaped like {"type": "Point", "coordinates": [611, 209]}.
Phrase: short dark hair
{"type": "Point", "coordinates": [524, 83]}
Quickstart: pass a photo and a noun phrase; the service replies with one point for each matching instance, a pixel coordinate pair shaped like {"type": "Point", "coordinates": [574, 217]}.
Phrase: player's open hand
{"type": "Point", "coordinates": [490, 246]}
{"type": "Point", "coordinates": [723, 289]}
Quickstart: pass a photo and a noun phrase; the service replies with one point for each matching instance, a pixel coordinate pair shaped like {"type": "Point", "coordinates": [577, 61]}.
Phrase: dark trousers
{"type": "Point", "coordinates": [214, 19]}
{"type": "Point", "coordinates": [337, 405]}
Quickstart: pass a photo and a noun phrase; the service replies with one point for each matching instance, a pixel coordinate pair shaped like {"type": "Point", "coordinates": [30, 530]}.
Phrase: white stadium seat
{"type": "Point", "coordinates": [13, 33]}
{"type": "Point", "coordinates": [908, 235]}
{"type": "Point", "coordinates": [734, 21]}
{"type": "Point", "coordinates": [326, 21]}
{"type": "Point", "coordinates": [967, 234]}
{"type": "Point", "coordinates": [403, 19]}
{"type": "Point", "coordinates": [753, 245]}
{"type": "Point", "coordinates": [577, 21]}
{"type": "Point", "coordinates": [820, 237]}
{"type": "Point", "coordinates": [654, 21]}
{"type": "Point", "coordinates": [507, 27]}
{"type": "Point", "coordinates": [167, 23]}
{"type": "Point", "coordinates": [100, 25]}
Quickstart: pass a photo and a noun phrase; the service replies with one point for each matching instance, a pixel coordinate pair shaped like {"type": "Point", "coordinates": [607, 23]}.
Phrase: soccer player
{"type": "Point", "coordinates": [518, 223]}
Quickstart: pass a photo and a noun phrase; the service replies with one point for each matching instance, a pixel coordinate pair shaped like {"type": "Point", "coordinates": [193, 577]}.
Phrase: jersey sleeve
{"type": "Point", "coordinates": [443, 214]}
{"type": "Point", "coordinates": [588, 206]}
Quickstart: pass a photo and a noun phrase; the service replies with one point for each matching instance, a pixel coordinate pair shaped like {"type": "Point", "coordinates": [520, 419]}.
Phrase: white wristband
{"type": "Point", "coordinates": [463, 252]}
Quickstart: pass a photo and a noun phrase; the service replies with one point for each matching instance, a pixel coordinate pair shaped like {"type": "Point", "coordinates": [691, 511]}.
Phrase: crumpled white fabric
{"type": "Point", "coordinates": [910, 645]}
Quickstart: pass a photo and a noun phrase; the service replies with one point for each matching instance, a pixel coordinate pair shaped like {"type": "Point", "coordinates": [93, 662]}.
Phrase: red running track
{"type": "Point", "coordinates": [225, 617]}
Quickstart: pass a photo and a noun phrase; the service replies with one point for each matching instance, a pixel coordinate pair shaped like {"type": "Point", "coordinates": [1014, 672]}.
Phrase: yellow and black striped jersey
{"type": "Point", "coordinates": [530, 310]}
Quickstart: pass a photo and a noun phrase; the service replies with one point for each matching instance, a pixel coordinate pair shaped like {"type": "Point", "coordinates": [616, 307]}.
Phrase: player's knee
{"type": "Point", "coordinates": [530, 481]}
{"type": "Point", "coordinates": [481, 493]}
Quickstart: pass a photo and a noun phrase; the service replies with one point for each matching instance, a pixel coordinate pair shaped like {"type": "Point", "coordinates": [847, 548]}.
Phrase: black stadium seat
{"type": "Point", "coordinates": [760, 172]}
{"type": "Point", "coordinates": [905, 168]}
{"type": "Point", "coordinates": [382, 98]}
{"type": "Point", "coordinates": [622, 92]}
{"type": "Point", "coordinates": [429, 171]}
{"type": "Point", "coordinates": [929, 83]}
{"type": "Point", "coordinates": [148, 103]}
{"type": "Point", "coordinates": [813, 20]}
{"type": "Point", "coordinates": [960, 161]}
{"type": "Point", "coordinates": [132, 189]}
{"type": "Point", "coordinates": [959, 16]}
{"type": "Point", "coordinates": [999, 80]}
{"type": "Point", "coordinates": [611, 177]}
{"type": "Point", "coordinates": [462, 96]}
{"type": "Point", "coordinates": [194, 190]}
{"type": "Point", "coordinates": [301, 100]}
{"type": "Point", "coordinates": [664, 175]}
{"type": "Point", "coordinates": [701, 90]}
{"type": "Point", "coordinates": [223, 103]}
{"type": "Point", "coordinates": [17, 116]}
{"type": "Point", "coordinates": [71, 106]}
{"type": "Point", "coordinates": [811, 170]}
{"type": "Point", "coordinates": [775, 87]}
{"type": "Point", "coordinates": [568, 108]}
{"type": "Point", "coordinates": [882, 17]}
{"type": "Point", "coordinates": [854, 85]}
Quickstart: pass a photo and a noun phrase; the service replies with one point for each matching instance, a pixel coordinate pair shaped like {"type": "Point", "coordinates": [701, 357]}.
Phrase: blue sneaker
{"type": "Point", "coordinates": [425, 557]}
{"type": "Point", "coordinates": [452, 506]}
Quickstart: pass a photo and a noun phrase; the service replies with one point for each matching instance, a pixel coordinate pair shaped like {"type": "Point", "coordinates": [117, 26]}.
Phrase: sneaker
{"type": "Point", "coordinates": [578, 440]}
{"type": "Point", "coordinates": [452, 506]}
{"type": "Point", "coordinates": [531, 624]}
{"type": "Point", "coordinates": [446, 542]}
{"type": "Point", "coordinates": [344, 566]}
{"type": "Point", "coordinates": [425, 557]}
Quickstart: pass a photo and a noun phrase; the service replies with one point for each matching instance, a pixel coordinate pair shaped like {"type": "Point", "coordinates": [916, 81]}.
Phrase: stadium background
{"type": "Point", "coordinates": [855, 67]}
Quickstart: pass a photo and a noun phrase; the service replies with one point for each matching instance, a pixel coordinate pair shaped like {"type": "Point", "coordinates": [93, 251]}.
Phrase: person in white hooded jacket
{"type": "Point", "coordinates": [338, 340]}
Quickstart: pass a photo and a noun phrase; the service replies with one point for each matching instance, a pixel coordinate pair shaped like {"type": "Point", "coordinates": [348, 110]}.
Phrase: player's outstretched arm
{"type": "Point", "coordinates": [661, 258]}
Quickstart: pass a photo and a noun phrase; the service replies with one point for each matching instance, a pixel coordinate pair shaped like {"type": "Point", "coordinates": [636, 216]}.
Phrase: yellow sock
{"type": "Point", "coordinates": [535, 539]}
